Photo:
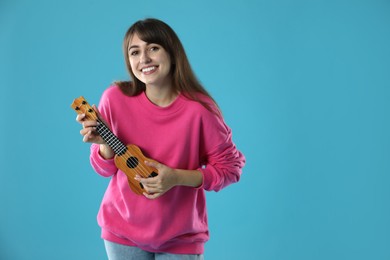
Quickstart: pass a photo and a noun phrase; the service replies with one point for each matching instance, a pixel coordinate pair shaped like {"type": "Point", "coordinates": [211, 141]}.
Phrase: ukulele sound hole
{"type": "Point", "coordinates": [132, 162]}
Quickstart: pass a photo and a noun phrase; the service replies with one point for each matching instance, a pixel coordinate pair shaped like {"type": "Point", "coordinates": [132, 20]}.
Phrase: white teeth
{"type": "Point", "coordinates": [148, 69]}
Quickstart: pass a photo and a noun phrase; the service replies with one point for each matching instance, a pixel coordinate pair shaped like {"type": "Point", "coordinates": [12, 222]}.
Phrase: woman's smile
{"type": "Point", "coordinates": [150, 62]}
{"type": "Point", "coordinates": [149, 70]}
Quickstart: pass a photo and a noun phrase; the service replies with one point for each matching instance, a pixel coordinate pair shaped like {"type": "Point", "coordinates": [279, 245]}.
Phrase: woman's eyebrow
{"type": "Point", "coordinates": [136, 46]}
{"type": "Point", "coordinates": [133, 46]}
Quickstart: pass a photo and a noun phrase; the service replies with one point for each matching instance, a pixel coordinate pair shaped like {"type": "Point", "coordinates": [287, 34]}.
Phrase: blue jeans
{"type": "Point", "coordinates": [121, 252]}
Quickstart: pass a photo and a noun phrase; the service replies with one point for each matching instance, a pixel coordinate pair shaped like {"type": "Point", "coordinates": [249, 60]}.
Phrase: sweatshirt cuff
{"type": "Point", "coordinates": [104, 167]}
{"type": "Point", "coordinates": [206, 180]}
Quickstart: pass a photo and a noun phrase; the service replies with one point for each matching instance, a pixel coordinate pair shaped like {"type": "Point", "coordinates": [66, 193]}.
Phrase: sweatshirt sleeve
{"type": "Point", "coordinates": [223, 162]}
{"type": "Point", "coordinates": [103, 167]}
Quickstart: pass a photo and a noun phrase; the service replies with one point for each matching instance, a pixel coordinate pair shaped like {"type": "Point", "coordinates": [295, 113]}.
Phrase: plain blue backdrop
{"type": "Point", "coordinates": [305, 86]}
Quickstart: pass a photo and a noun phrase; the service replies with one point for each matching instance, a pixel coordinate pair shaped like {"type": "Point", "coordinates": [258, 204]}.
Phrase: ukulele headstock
{"type": "Point", "coordinates": [81, 106]}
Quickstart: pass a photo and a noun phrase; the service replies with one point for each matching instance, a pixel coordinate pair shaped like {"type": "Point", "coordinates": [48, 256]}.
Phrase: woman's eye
{"type": "Point", "coordinates": [134, 53]}
{"type": "Point", "coordinates": [154, 48]}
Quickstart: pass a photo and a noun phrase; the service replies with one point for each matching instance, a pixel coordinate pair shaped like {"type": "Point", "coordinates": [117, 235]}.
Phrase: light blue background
{"type": "Point", "coordinates": [305, 86]}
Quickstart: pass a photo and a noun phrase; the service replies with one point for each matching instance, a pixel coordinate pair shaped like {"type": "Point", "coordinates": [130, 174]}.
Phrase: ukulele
{"type": "Point", "coordinates": [128, 158]}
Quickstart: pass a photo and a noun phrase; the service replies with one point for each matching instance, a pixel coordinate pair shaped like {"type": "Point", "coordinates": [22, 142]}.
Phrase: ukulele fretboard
{"type": "Point", "coordinates": [116, 145]}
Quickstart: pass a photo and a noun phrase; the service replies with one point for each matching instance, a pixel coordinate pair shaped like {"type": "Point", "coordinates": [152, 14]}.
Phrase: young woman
{"type": "Point", "coordinates": [166, 112]}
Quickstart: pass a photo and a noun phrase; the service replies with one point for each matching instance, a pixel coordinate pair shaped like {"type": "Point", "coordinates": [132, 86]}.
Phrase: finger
{"type": "Point", "coordinates": [80, 117]}
{"type": "Point", "coordinates": [152, 196]}
{"type": "Point", "coordinates": [87, 137]}
{"type": "Point", "coordinates": [84, 131]}
{"type": "Point", "coordinates": [154, 164]}
{"type": "Point", "coordinates": [91, 137]}
{"type": "Point", "coordinates": [88, 123]}
{"type": "Point", "coordinates": [147, 182]}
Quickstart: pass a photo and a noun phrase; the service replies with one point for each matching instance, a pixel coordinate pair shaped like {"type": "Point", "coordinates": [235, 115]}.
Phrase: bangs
{"type": "Point", "coordinates": [151, 33]}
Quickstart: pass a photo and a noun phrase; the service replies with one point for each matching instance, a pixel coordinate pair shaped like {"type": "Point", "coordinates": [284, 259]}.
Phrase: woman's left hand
{"type": "Point", "coordinates": [164, 181]}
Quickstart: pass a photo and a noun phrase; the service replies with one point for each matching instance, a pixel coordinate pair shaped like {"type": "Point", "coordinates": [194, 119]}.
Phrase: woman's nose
{"type": "Point", "coordinates": [145, 57]}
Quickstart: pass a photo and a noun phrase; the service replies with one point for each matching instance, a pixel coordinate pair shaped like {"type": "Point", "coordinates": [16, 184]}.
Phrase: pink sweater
{"type": "Point", "coordinates": [184, 135]}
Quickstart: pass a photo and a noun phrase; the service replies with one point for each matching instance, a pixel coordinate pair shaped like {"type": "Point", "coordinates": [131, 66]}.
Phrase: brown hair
{"type": "Point", "coordinates": [183, 78]}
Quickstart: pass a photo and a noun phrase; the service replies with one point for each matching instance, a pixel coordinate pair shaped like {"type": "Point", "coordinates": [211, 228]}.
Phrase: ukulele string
{"type": "Point", "coordinates": [140, 170]}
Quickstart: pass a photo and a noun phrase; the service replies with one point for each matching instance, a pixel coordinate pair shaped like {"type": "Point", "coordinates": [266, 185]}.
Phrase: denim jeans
{"type": "Point", "coordinates": [121, 252]}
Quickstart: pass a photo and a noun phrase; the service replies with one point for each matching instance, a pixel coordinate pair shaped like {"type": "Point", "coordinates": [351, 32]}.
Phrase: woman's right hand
{"type": "Point", "coordinates": [89, 132]}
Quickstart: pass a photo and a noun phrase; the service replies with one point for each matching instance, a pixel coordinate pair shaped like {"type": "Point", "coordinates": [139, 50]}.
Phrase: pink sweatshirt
{"type": "Point", "coordinates": [184, 135]}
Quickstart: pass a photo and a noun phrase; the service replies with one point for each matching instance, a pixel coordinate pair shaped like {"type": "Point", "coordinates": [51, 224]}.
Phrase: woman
{"type": "Point", "coordinates": [166, 112]}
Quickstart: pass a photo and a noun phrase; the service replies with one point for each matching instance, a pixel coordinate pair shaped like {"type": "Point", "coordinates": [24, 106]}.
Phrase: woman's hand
{"type": "Point", "coordinates": [157, 186]}
{"type": "Point", "coordinates": [168, 178]}
{"type": "Point", "coordinates": [90, 134]}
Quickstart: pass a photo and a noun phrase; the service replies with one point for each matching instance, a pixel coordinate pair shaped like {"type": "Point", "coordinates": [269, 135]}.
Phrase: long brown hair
{"type": "Point", "coordinates": [184, 80]}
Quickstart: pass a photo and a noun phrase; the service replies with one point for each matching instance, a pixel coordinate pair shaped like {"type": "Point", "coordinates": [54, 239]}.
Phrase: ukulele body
{"type": "Point", "coordinates": [132, 164]}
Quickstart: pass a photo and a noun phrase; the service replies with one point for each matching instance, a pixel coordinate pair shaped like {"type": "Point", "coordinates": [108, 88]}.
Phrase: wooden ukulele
{"type": "Point", "coordinates": [128, 158]}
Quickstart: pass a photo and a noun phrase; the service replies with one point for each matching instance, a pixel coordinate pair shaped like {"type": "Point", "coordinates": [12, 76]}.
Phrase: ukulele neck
{"type": "Point", "coordinates": [116, 145]}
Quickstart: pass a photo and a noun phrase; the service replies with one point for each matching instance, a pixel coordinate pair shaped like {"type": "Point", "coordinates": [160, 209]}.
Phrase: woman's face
{"type": "Point", "coordinates": [150, 62]}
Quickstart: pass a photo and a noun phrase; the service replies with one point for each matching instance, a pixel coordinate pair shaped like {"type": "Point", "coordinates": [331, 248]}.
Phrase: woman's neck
{"type": "Point", "coordinates": [161, 97]}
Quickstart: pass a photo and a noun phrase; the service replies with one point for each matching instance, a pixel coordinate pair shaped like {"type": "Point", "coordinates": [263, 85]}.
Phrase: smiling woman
{"type": "Point", "coordinates": [151, 64]}
{"type": "Point", "coordinates": [167, 113]}
{"type": "Point", "coordinates": [158, 34]}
